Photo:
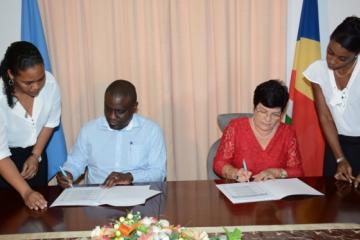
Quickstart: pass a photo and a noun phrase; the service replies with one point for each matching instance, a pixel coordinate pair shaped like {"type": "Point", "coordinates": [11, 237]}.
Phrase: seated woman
{"type": "Point", "coordinates": [261, 147]}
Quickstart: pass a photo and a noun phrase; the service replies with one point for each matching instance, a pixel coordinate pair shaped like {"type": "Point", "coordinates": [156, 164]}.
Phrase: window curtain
{"type": "Point", "coordinates": [189, 60]}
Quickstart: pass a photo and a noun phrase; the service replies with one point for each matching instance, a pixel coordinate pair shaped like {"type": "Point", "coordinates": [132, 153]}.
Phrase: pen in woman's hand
{"type": "Point", "coordinates": [65, 175]}
{"type": "Point", "coordinates": [245, 167]}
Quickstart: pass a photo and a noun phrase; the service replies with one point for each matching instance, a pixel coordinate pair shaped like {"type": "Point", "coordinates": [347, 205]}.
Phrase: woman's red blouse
{"type": "Point", "coordinates": [239, 142]}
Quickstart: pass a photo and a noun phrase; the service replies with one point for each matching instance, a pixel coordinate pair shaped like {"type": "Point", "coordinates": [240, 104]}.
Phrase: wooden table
{"type": "Point", "coordinates": [189, 203]}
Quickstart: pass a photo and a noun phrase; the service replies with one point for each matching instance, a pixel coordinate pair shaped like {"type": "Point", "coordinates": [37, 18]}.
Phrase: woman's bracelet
{"type": "Point", "coordinates": [340, 159]}
{"type": "Point", "coordinates": [35, 156]}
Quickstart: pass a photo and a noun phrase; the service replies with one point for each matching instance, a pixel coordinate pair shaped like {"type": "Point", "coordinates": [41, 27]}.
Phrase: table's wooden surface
{"type": "Point", "coordinates": [189, 203]}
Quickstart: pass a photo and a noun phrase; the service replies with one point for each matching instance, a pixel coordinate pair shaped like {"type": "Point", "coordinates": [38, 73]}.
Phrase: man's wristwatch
{"type": "Point", "coordinates": [130, 176]}
{"type": "Point", "coordinates": [36, 156]}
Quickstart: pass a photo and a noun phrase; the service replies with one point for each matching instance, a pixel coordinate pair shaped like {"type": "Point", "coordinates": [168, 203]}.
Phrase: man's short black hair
{"type": "Point", "coordinates": [122, 88]}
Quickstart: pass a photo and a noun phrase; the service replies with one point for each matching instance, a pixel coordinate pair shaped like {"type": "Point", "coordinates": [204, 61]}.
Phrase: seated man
{"type": "Point", "coordinates": [120, 148]}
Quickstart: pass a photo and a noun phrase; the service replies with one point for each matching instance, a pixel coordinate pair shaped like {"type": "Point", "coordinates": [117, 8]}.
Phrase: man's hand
{"type": "Point", "coordinates": [34, 200]}
{"type": "Point", "coordinates": [344, 172]}
{"type": "Point", "coordinates": [64, 181]}
{"type": "Point", "coordinates": [30, 167]}
{"type": "Point", "coordinates": [117, 178]}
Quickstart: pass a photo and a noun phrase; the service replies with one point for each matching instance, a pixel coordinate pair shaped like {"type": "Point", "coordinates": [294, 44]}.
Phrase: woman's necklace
{"type": "Point", "coordinates": [349, 71]}
{"type": "Point", "coordinates": [26, 103]}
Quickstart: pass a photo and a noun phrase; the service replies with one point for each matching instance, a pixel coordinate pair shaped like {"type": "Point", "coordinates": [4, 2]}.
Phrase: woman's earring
{"type": "Point", "coordinates": [11, 82]}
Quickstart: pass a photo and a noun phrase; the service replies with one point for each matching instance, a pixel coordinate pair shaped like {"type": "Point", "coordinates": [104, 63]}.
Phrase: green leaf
{"type": "Point", "coordinates": [234, 235]}
{"type": "Point", "coordinates": [143, 229]}
{"type": "Point", "coordinates": [174, 236]}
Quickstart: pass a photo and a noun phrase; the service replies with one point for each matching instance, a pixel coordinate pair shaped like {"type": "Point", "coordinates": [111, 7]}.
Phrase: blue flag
{"type": "Point", "coordinates": [32, 31]}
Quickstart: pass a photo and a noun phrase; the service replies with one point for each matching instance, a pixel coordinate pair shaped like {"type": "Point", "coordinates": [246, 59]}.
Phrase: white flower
{"type": "Point", "coordinates": [96, 232]}
{"type": "Point", "coordinates": [168, 231]}
{"type": "Point", "coordinates": [155, 229]}
{"type": "Point", "coordinates": [194, 234]}
{"type": "Point", "coordinates": [164, 223]}
{"type": "Point", "coordinates": [163, 236]}
{"type": "Point", "coordinates": [204, 236]}
{"type": "Point", "coordinates": [130, 216]}
{"type": "Point", "coordinates": [160, 236]}
{"type": "Point", "coordinates": [121, 219]}
{"type": "Point", "coordinates": [147, 221]}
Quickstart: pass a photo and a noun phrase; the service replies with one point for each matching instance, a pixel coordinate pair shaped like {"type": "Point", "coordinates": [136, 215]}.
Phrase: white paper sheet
{"type": "Point", "coordinates": [266, 190]}
{"type": "Point", "coordinates": [120, 196]}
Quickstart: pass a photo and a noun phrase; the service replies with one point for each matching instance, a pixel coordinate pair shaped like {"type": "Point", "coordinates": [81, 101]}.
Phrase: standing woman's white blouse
{"type": "Point", "coordinates": [18, 128]}
{"type": "Point", "coordinates": [344, 104]}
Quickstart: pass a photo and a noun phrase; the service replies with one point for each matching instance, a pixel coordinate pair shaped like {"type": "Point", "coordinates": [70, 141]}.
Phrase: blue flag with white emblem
{"type": "Point", "coordinates": [32, 31]}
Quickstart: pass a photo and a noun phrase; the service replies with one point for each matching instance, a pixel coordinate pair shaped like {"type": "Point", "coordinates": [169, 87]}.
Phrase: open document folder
{"type": "Point", "coordinates": [266, 190]}
{"type": "Point", "coordinates": [120, 196]}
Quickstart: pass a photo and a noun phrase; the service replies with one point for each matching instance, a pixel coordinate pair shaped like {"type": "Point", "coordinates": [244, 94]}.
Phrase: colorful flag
{"type": "Point", "coordinates": [32, 31]}
{"type": "Point", "coordinates": [301, 112]}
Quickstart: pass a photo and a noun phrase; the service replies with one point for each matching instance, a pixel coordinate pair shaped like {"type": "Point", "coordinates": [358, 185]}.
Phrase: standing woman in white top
{"type": "Point", "coordinates": [29, 110]}
{"type": "Point", "coordinates": [336, 86]}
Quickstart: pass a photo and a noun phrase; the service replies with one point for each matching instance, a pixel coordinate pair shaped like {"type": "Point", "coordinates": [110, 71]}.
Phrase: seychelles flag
{"type": "Point", "coordinates": [32, 31]}
{"type": "Point", "coordinates": [301, 112]}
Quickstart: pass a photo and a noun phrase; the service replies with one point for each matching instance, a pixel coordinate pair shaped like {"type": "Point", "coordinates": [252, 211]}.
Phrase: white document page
{"type": "Point", "coordinates": [266, 190]}
{"type": "Point", "coordinates": [115, 196]}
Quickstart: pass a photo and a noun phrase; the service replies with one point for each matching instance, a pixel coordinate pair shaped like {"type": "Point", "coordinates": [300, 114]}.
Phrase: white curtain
{"type": "Point", "coordinates": [190, 60]}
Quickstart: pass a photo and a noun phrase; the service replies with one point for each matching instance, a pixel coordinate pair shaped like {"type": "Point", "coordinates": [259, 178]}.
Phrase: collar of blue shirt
{"type": "Point", "coordinates": [134, 123]}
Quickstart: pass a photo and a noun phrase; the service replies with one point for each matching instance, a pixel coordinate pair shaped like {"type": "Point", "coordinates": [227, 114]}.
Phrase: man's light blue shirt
{"type": "Point", "coordinates": [138, 148]}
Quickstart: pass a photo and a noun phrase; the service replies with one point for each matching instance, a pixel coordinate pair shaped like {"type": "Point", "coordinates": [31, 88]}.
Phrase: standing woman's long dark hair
{"type": "Point", "coordinates": [18, 57]}
{"type": "Point", "coordinates": [347, 34]}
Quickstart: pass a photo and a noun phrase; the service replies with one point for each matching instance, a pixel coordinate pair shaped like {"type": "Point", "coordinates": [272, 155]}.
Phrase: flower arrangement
{"type": "Point", "coordinates": [133, 227]}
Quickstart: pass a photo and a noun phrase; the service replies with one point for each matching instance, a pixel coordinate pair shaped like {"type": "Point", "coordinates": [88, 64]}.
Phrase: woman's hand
{"type": "Point", "coordinates": [34, 200]}
{"type": "Point", "coordinates": [270, 173]}
{"type": "Point", "coordinates": [344, 172]}
{"type": "Point", "coordinates": [357, 181]}
{"type": "Point", "coordinates": [30, 167]}
{"type": "Point", "coordinates": [242, 175]}
{"type": "Point", "coordinates": [343, 188]}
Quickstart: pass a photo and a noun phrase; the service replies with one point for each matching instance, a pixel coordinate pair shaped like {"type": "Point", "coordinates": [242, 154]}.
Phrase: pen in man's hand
{"type": "Point", "coordinates": [245, 167]}
{"type": "Point", "coordinates": [65, 175]}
